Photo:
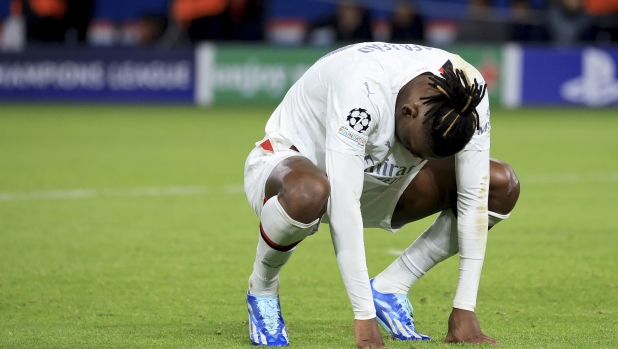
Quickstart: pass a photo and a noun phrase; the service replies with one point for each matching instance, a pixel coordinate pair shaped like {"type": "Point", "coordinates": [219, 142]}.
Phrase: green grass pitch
{"type": "Point", "coordinates": [127, 227]}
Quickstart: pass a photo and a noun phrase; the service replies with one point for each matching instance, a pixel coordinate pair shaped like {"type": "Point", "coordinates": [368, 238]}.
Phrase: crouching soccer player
{"type": "Point", "coordinates": [378, 135]}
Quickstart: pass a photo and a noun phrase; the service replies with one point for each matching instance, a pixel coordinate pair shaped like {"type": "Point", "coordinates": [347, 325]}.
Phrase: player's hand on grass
{"type": "Point", "coordinates": [367, 334]}
{"type": "Point", "coordinates": [463, 326]}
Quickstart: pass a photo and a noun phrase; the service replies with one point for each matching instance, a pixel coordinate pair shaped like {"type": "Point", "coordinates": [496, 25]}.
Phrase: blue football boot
{"type": "Point", "coordinates": [266, 326]}
{"type": "Point", "coordinates": [394, 314]}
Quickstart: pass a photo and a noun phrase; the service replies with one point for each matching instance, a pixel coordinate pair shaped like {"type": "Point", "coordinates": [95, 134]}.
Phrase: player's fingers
{"type": "Point", "coordinates": [373, 346]}
{"type": "Point", "coordinates": [483, 339]}
{"type": "Point", "coordinates": [449, 339]}
{"type": "Point", "coordinates": [489, 340]}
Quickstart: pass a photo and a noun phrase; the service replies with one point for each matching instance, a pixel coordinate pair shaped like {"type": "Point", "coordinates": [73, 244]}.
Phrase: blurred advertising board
{"type": "Point", "coordinates": [251, 74]}
{"type": "Point", "coordinates": [98, 75]}
{"type": "Point", "coordinates": [258, 74]}
{"type": "Point", "coordinates": [538, 76]}
{"type": "Point", "coordinates": [262, 74]}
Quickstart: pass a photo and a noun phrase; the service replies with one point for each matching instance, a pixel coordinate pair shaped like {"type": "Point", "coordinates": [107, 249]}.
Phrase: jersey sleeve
{"type": "Point", "coordinates": [472, 173]}
{"type": "Point", "coordinates": [346, 176]}
{"type": "Point", "coordinates": [352, 122]}
{"type": "Point", "coordinates": [355, 98]}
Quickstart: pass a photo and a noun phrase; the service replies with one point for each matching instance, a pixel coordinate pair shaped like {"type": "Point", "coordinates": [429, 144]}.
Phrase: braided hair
{"type": "Point", "coordinates": [452, 118]}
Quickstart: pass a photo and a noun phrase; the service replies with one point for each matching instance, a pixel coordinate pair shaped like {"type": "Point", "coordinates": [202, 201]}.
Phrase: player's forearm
{"type": "Point", "coordinates": [473, 186]}
{"type": "Point", "coordinates": [356, 280]}
{"type": "Point", "coordinates": [472, 243]}
{"type": "Point", "coordinates": [346, 226]}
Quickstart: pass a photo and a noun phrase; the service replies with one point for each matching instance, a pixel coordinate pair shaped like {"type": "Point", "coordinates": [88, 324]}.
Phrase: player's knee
{"type": "Point", "coordinates": [306, 197]}
{"type": "Point", "coordinates": [503, 187]}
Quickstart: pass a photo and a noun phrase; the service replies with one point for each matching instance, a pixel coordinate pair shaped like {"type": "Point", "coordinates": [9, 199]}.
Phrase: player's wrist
{"type": "Point", "coordinates": [463, 306]}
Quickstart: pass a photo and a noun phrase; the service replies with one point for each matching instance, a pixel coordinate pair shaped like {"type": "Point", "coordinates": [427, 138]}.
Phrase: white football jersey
{"type": "Point", "coordinates": [340, 115]}
{"type": "Point", "coordinates": [346, 101]}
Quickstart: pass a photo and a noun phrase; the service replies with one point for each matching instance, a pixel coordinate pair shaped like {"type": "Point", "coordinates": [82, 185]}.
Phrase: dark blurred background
{"type": "Point", "coordinates": [305, 22]}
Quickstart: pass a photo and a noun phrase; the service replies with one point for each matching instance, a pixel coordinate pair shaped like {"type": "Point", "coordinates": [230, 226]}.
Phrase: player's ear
{"type": "Point", "coordinates": [407, 110]}
{"type": "Point", "coordinates": [411, 110]}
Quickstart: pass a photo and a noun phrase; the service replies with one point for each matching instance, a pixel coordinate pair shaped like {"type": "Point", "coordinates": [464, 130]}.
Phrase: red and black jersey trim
{"type": "Point", "coordinates": [446, 66]}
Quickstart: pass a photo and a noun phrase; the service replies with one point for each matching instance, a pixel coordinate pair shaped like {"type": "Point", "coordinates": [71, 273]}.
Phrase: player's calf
{"type": "Point", "coordinates": [279, 235]}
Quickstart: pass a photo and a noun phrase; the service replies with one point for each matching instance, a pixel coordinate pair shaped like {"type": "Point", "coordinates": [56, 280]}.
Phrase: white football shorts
{"type": "Point", "coordinates": [378, 201]}
{"type": "Point", "coordinates": [258, 166]}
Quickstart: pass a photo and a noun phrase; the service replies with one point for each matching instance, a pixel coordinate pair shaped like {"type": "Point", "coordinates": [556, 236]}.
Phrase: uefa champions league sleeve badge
{"type": "Point", "coordinates": [359, 119]}
{"type": "Point", "coordinates": [358, 122]}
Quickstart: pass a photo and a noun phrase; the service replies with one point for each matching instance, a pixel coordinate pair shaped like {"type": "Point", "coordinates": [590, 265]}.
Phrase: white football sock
{"type": "Point", "coordinates": [436, 244]}
{"type": "Point", "coordinates": [279, 235]}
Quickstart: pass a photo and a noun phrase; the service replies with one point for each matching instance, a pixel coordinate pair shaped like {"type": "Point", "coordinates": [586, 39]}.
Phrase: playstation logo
{"type": "Point", "coordinates": [597, 86]}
